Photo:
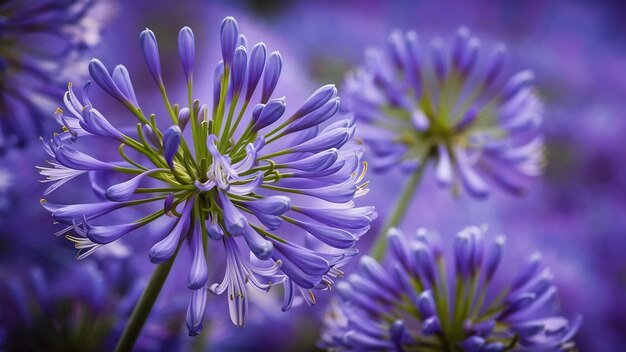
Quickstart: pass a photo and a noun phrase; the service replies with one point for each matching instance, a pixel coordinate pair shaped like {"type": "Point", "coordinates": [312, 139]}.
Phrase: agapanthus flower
{"type": "Point", "coordinates": [274, 189]}
{"type": "Point", "coordinates": [40, 43]}
{"type": "Point", "coordinates": [81, 309]}
{"type": "Point", "coordinates": [411, 303]}
{"type": "Point", "coordinates": [451, 106]}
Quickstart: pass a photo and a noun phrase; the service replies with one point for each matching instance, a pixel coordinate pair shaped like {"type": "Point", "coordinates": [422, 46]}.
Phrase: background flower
{"type": "Point", "coordinates": [451, 102]}
{"type": "Point", "coordinates": [83, 308]}
{"type": "Point", "coordinates": [580, 66]}
{"type": "Point", "coordinates": [415, 300]}
{"type": "Point", "coordinates": [42, 42]}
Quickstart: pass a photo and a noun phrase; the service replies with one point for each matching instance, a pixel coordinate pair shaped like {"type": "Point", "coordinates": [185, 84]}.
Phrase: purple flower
{"type": "Point", "coordinates": [48, 312]}
{"type": "Point", "coordinates": [151, 54]}
{"type": "Point", "coordinates": [418, 309]}
{"type": "Point", "coordinates": [40, 42]}
{"type": "Point", "coordinates": [451, 106]}
{"type": "Point", "coordinates": [187, 51]}
{"type": "Point", "coordinates": [275, 190]}
{"type": "Point", "coordinates": [33, 302]}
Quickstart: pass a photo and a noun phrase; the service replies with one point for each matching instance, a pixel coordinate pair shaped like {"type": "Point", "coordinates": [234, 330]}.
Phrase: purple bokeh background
{"type": "Point", "coordinates": [575, 214]}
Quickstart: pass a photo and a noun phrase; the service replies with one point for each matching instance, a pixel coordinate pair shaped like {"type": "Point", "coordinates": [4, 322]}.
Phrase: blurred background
{"type": "Point", "coordinates": [575, 214]}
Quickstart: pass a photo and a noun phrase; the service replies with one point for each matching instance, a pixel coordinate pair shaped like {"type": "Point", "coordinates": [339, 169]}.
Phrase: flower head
{"type": "Point", "coordinates": [421, 103]}
{"type": "Point", "coordinates": [81, 309]}
{"type": "Point", "coordinates": [40, 41]}
{"type": "Point", "coordinates": [274, 189]}
{"type": "Point", "coordinates": [406, 305]}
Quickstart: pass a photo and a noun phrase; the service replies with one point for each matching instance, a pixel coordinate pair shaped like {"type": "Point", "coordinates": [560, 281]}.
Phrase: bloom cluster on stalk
{"type": "Point", "coordinates": [420, 103]}
{"type": "Point", "coordinates": [84, 309]}
{"type": "Point", "coordinates": [411, 304]}
{"type": "Point", "coordinates": [39, 42]}
{"type": "Point", "coordinates": [275, 189]}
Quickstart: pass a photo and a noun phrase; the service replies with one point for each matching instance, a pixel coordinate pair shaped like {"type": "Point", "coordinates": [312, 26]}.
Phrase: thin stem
{"type": "Point", "coordinates": [443, 296]}
{"type": "Point", "coordinates": [217, 126]}
{"type": "Point", "coordinates": [243, 110]}
{"type": "Point", "coordinates": [231, 112]}
{"type": "Point", "coordinates": [144, 306]}
{"type": "Point", "coordinates": [459, 306]}
{"type": "Point", "coordinates": [267, 234]}
{"type": "Point", "coordinates": [168, 105]}
{"type": "Point", "coordinates": [380, 244]}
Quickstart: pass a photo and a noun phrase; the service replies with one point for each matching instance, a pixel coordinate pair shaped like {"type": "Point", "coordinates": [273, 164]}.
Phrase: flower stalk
{"type": "Point", "coordinates": [402, 205]}
{"type": "Point", "coordinates": [144, 306]}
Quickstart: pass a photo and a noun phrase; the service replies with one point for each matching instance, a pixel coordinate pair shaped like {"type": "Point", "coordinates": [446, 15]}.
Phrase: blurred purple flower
{"type": "Point", "coordinates": [407, 304]}
{"type": "Point", "coordinates": [41, 42]}
{"type": "Point", "coordinates": [215, 174]}
{"type": "Point", "coordinates": [424, 102]}
{"type": "Point", "coordinates": [83, 309]}
{"type": "Point", "coordinates": [575, 213]}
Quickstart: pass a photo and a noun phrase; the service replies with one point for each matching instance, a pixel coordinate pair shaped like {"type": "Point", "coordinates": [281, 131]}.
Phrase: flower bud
{"type": "Point", "coordinates": [151, 54]}
{"type": "Point", "coordinates": [228, 39]}
{"type": "Point", "coordinates": [186, 51]}
{"type": "Point", "coordinates": [272, 73]}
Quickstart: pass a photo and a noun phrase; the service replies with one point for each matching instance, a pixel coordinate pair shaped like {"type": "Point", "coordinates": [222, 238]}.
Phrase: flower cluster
{"type": "Point", "coordinates": [420, 103]}
{"type": "Point", "coordinates": [275, 189]}
{"type": "Point", "coordinates": [407, 305]}
{"type": "Point", "coordinates": [39, 43]}
{"type": "Point", "coordinates": [82, 310]}
{"type": "Point", "coordinates": [29, 326]}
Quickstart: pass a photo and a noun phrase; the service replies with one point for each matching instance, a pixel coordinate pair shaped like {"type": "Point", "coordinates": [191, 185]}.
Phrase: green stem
{"type": "Point", "coordinates": [144, 306]}
{"type": "Point", "coordinates": [380, 244]}
{"type": "Point", "coordinates": [456, 331]}
{"type": "Point", "coordinates": [168, 105]}
{"type": "Point", "coordinates": [217, 126]}
{"type": "Point", "coordinates": [243, 110]}
{"type": "Point", "coordinates": [443, 297]}
{"type": "Point", "coordinates": [231, 112]}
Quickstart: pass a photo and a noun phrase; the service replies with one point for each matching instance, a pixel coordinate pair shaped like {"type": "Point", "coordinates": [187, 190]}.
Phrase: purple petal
{"type": "Point", "coordinates": [164, 249]}
{"type": "Point", "coordinates": [171, 142]}
{"type": "Point", "coordinates": [443, 171]}
{"type": "Point", "coordinates": [198, 275]}
{"type": "Point", "coordinates": [272, 73]}
{"type": "Point", "coordinates": [270, 113]}
{"type": "Point", "coordinates": [517, 83]}
{"type": "Point", "coordinates": [151, 54]}
{"type": "Point", "coordinates": [229, 32]}
{"type": "Point", "coordinates": [319, 161]}
{"type": "Point", "coordinates": [315, 117]}
{"type": "Point", "coordinates": [255, 68]}
{"type": "Point", "coordinates": [124, 84]}
{"type": "Point", "coordinates": [183, 118]}
{"type": "Point", "coordinates": [109, 233]}
{"type": "Point", "coordinates": [318, 99]}
{"type": "Point", "coordinates": [238, 73]}
{"type": "Point", "coordinates": [186, 51]}
{"type": "Point", "coordinates": [94, 123]}
{"type": "Point", "coordinates": [261, 247]}
{"type": "Point", "coordinates": [101, 75]}
{"type": "Point", "coordinates": [233, 219]}
{"type": "Point", "coordinates": [196, 311]}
